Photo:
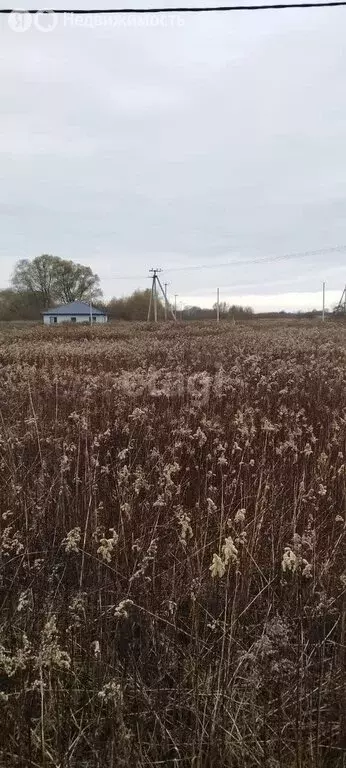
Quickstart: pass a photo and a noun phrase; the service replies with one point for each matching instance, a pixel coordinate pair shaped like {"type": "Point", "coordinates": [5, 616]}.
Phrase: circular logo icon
{"type": "Point", "coordinates": [19, 21]}
{"type": "Point", "coordinates": [45, 20]}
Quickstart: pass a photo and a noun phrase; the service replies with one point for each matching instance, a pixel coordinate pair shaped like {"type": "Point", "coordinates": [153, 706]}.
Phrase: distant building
{"type": "Point", "coordinates": [75, 312]}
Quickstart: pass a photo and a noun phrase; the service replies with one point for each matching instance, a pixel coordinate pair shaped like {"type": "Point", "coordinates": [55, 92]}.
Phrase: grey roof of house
{"type": "Point", "coordinates": [74, 308]}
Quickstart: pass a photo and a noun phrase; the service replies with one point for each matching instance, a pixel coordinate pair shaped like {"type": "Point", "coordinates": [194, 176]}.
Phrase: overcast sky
{"type": "Point", "coordinates": [198, 140]}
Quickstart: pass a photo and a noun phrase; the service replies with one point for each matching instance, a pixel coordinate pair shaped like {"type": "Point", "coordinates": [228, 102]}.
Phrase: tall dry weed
{"type": "Point", "coordinates": [172, 529]}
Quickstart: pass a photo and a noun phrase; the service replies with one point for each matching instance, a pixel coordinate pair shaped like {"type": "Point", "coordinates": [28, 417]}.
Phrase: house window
{"type": "Point", "coordinates": [53, 320]}
{"type": "Point", "coordinates": [73, 319]}
{"type": "Point", "coordinates": [94, 318]}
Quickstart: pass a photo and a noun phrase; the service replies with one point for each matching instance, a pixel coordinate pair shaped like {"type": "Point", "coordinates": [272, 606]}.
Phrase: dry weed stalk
{"type": "Point", "coordinates": [173, 516]}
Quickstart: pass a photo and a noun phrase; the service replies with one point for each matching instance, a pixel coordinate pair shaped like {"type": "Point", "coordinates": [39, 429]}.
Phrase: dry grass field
{"type": "Point", "coordinates": [173, 578]}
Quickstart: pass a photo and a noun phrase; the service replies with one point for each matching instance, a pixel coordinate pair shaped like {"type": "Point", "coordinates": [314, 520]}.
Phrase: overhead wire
{"type": "Point", "coordinates": [236, 263]}
{"type": "Point", "coordinates": [182, 9]}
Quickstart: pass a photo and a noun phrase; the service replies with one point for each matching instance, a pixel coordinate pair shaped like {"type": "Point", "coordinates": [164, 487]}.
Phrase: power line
{"type": "Point", "coordinates": [265, 260]}
{"type": "Point", "coordinates": [238, 263]}
{"type": "Point", "coordinates": [123, 277]}
{"type": "Point", "coordinates": [182, 9]}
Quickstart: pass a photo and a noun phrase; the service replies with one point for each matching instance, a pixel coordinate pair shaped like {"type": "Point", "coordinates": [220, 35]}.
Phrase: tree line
{"type": "Point", "coordinates": [47, 281]}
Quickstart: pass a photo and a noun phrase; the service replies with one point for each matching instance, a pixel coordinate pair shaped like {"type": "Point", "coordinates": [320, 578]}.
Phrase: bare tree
{"type": "Point", "coordinates": [53, 280]}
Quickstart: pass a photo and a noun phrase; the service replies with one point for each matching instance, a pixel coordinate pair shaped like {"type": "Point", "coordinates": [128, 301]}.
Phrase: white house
{"type": "Point", "coordinates": [75, 312]}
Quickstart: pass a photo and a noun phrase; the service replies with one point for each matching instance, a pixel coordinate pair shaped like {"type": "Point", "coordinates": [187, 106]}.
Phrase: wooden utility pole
{"type": "Point", "coordinates": [324, 302]}
{"type": "Point", "coordinates": [175, 305]}
{"type": "Point", "coordinates": [166, 301]}
{"type": "Point", "coordinates": [153, 296]}
{"type": "Point", "coordinates": [218, 305]}
{"type": "Point", "coordinates": [342, 303]}
{"type": "Point", "coordinates": [155, 300]}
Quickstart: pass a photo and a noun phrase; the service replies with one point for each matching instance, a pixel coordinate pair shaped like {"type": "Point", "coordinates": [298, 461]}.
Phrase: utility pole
{"type": "Point", "coordinates": [324, 302]}
{"type": "Point", "coordinates": [156, 282]}
{"type": "Point", "coordinates": [218, 305]}
{"type": "Point", "coordinates": [342, 303]}
{"type": "Point", "coordinates": [155, 301]}
{"type": "Point", "coordinates": [166, 300]}
{"type": "Point", "coordinates": [91, 310]}
{"type": "Point", "coordinates": [175, 304]}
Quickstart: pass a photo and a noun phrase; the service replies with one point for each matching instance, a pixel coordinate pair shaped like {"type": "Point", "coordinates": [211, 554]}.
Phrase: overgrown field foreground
{"type": "Point", "coordinates": [173, 547]}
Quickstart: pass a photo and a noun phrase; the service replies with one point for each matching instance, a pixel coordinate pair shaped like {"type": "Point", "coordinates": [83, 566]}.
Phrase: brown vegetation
{"type": "Point", "coordinates": [173, 546]}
